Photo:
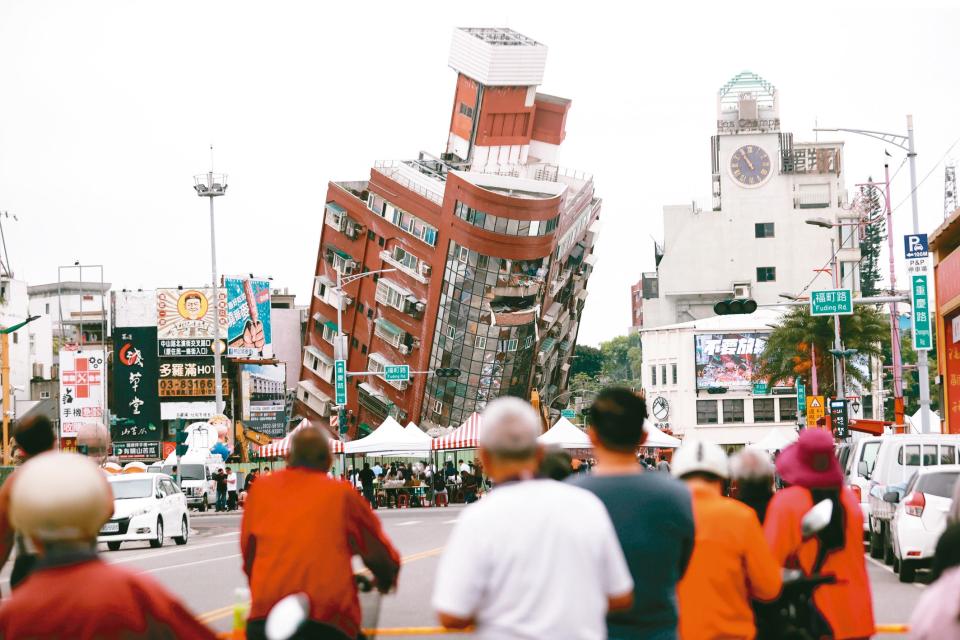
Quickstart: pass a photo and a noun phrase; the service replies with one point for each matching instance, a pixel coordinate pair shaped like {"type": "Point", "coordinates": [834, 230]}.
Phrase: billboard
{"type": "Point", "coordinates": [728, 359]}
{"type": "Point", "coordinates": [136, 403]}
{"type": "Point", "coordinates": [185, 321]}
{"type": "Point", "coordinates": [128, 451]}
{"type": "Point", "coordinates": [82, 383]}
{"type": "Point", "coordinates": [263, 398]}
{"type": "Point", "coordinates": [248, 318]}
{"type": "Point", "coordinates": [190, 379]}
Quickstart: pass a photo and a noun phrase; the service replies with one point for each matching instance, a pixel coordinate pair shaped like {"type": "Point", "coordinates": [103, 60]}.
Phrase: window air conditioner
{"type": "Point", "coordinates": [404, 349]}
{"type": "Point", "coordinates": [741, 291]}
{"type": "Point", "coordinates": [425, 269]}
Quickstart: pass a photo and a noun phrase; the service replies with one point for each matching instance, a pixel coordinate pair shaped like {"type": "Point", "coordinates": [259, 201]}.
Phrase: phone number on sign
{"type": "Point", "coordinates": [191, 387]}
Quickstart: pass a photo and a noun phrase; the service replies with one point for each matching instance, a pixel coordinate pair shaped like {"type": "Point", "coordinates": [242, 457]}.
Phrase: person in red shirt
{"type": "Point", "coordinates": [299, 532]}
{"type": "Point", "coordinates": [61, 500]}
{"type": "Point", "coordinates": [812, 470]}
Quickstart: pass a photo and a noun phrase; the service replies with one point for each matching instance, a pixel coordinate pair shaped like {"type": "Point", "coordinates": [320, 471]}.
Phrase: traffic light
{"type": "Point", "coordinates": [181, 441]}
{"type": "Point", "coordinates": [735, 307]}
{"type": "Point", "coordinates": [447, 373]}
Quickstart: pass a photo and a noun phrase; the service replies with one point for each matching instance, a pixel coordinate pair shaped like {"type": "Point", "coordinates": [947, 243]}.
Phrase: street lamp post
{"type": "Point", "coordinates": [5, 389]}
{"type": "Point", "coordinates": [906, 142]}
{"type": "Point", "coordinates": [211, 185]}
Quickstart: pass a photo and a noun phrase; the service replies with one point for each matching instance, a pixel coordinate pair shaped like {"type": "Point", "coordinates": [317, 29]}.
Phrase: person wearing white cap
{"type": "Point", "coordinates": [61, 500]}
{"type": "Point", "coordinates": [731, 563]}
{"type": "Point", "coordinates": [535, 558]}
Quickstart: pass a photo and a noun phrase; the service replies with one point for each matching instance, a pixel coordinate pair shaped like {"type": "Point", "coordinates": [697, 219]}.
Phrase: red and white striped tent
{"type": "Point", "coordinates": [281, 446]}
{"type": "Point", "coordinates": [463, 437]}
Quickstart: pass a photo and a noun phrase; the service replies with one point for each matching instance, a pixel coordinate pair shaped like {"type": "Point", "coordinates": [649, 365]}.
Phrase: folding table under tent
{"type": "Point", "coordinates": [566, 435]}
{"type": "Point", "coordinates": [658, 439]}
{"type": "Point", "coordinates": [391, 437]}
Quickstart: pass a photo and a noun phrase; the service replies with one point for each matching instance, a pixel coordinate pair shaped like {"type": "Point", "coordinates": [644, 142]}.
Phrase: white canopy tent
{"type": "Point", "coordinates": [777, 438]}
{"type": "Point", "coordinates": [658, 439]}
{"type": "Point", "coordinates": [391, 437]}
{"type": "Point", "coordinates": [916, 421]}
{"type": "Point", "coordinates": [566, 435]}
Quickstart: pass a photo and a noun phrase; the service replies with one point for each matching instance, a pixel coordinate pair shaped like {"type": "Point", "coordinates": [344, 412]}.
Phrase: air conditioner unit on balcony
{"type": "Point", "coordinates": [347, 301]}
{"type": "Point", "coordinates": [419, 307]}
{"type": "Point", "coordinates": [425, 269]}
{"type": "Point", "coordinates": [404, 349]}
{"type": "Point", "coordinates": [741, 291]}
{"type": "Point", "coordinates": [349, 266]}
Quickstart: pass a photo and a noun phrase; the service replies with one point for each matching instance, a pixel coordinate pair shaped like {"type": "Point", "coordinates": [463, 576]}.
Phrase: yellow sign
{"type": "Point", "coordinates": [816, 409]}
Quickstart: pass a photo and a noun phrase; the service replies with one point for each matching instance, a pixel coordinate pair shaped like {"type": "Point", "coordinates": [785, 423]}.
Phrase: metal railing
{"type": "Point", "coordinates": [391, 170]}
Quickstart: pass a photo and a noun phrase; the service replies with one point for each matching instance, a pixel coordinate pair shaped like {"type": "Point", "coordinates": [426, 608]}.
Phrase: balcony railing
{"type": "Point", "coordinates": [387, 257]}
{"type": "Point", "coordinates": [393, 170]}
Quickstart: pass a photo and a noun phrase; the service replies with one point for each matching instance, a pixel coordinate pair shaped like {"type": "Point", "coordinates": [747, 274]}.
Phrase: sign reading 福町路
{"type": "Point", "coordinates": [185, 321]}
{"type": "Point", "coordinates": [136, 403]}
{"type": "Point", "coordinates": [248, 318]}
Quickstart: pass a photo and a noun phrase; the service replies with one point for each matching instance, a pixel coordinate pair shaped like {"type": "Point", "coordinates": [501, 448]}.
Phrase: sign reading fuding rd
{"type": "Point", "coordinates": [831, 302]}
{"type": "Point", "coordinates": [397, 372]}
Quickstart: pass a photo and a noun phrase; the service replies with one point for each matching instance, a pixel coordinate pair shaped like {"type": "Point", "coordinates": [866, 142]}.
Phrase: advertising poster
{"type": "Point", "coordinates": [82, 389]}
{"type": "Point", "coordinates": [263, 397]}
{"type": "Point", "coordinates": [185, 321]}
{"type": "Point", "coordinates": [129, 451]}
{"type": "Point", "coordinates": [136, 403]}
{"type": "Point", "coordinates": [191, 379]}
{"type": "Point", "coordinates": [728, 359]}
{"type": "Point", "coordinates": [248, 318]}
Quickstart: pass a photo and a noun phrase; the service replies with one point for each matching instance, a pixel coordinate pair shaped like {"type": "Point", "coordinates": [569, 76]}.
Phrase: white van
{"type": "Point", "coordinates": [860, 460]}
{"type": "Point", "coordinates": [898, 458]}
{"type": "Point", "coordinates": [196, 478]}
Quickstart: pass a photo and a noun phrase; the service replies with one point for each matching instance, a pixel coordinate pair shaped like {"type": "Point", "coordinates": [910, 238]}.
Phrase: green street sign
{"type": "Point", "coordinates": [801, 397]}
{"type": "Point", "coordinates": [340, 381]}
{"type": "Point", "coordinates": [922, 333]}
{"type": "Point", "coordinates": [760, 388]}
{"type": "Point", "coordinates": [831, 302]}
{"type": "Point", "coordinates": [569, 414]}
{"type": "Point", "coordinates": [397, 372]}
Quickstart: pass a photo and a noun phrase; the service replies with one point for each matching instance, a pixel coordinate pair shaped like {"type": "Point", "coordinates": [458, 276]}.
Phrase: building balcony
{"type": "Point", "coordinates": [313, 397]}
{"type": "Point", "coordinates": [559, 282]}
{"type": "Point", "coordinates": [518, 286]}
{"type": "Point", "coordinates": [336, 218]}
{"type": "Point", "coordinates": [421, 275]}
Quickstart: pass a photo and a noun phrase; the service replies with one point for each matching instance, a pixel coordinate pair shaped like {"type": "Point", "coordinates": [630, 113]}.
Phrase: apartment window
{"type": "Point", "coordinates": [763, 230]}
{"type": "Point", "coordinates": [707, 412]}
{"type": "Point", "coordinates": [867, 407]}
{"type": "Point", "coordinates": [732, 411]}
{"type": "Point", "coordinates": [464, 255]}
{"type": "Point", "coordinates": [16, 338]}
{"type": "Point", "coordinates": [465, 110]}
{"type": "Point", "coordinates": [381, 241]}
{"type": "Point", "coordinates": [354, 343]}
{"type": "Point", "coordinates": [369, 313]}
{"type": "Point", "coordinates": [480, 342]}
{"type": "Point", "coordinates": [46, 309]}
{"type": "Point", "coordinates": [371, 235]}
{"type": "Point", "coordinates": [763, 410]}
{"type": "Point", "coordinates": [766, 274]}
{"type": "Point", "coordinates": [528, 342]}
{"type": "Point", "coordinates": [44, 395]}
{"type": "Point", "coordinates": [437, 406]}
{"type": "Point", "coordinates": [653, 375]}
{"type": "Point", "coordinates": [788, 409]}
{"type": "Point", "coordinates": [363, 350]}
{"type": "Point", "coordinates": [360, 308]}
{"type": "Point", "coordinates": [390, 294]}
{"type": "Point", "coordinates": [674, 370]}
{"type": "Point", "coordinates": [663, 374]}
{"type": "Point", "coordinates": [405, 258]}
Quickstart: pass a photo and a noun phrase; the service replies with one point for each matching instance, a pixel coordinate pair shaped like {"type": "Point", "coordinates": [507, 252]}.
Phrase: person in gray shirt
{"type": "Point", "coordinates": [651, 513]}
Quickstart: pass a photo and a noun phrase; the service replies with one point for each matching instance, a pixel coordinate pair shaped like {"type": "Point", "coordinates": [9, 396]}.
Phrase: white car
{"type": "Point", "coordinates": [146, 506]}
{"type": "Point", "coordinates": [921, 517]}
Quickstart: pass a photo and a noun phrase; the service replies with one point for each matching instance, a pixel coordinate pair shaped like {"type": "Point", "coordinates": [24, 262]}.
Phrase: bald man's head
{"type": "Point", "coordinates": [309, 448]}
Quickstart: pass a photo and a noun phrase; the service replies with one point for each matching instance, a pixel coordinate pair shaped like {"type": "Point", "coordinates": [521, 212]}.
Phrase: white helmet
{"type": "Point", "coordinates": [60, 497]}
{"type": "Point", "coordinates": [697, 455]}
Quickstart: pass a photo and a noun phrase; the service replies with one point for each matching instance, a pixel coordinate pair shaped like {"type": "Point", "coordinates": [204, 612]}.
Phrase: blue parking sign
{"type": "Point", "coordinates": [915, 246]}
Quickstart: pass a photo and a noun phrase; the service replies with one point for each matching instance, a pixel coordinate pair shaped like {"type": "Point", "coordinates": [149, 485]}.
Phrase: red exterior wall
{"type": "Point", "coordinates": [550, 120]}
{"type": "Point", "coordinates": [504, 120]}
{"type": "Point", "coordinates": [465, 93]}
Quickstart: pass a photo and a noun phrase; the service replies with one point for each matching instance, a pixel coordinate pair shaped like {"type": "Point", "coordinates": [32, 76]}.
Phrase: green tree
{"type": "Point", "coordinates": [587, 360]}
{"type": "Point", "coordinates": [873, 236]}
{"type": "Point", "coordinates": [911, 380]}
{"type": "Point", "coordinates": [621, 358]}
{"type": "Point", "coordinates": [787, 354]}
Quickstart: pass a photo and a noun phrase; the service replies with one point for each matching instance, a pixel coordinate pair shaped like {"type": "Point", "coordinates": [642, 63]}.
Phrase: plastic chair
{"type": "Point", "coordinates": [441, 497]}
{"type": "Point", "coordinates": [403, 501]}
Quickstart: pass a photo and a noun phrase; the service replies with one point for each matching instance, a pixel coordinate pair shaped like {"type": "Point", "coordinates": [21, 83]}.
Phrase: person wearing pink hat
{"type": "Point", "coordinates": [812, 473]}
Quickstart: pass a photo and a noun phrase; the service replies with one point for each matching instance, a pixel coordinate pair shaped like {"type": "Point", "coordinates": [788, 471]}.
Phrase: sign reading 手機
{"type": "Point", "coordinates": [136, 402]}
{"type": "Point", "coordinates": [728, 359]}
{"type": "Point", "coordinates": [81, 389]}
{"type": "Point", "coordinates": [248, 318]}
{"type": "Point", "coordinates": [186, 321]}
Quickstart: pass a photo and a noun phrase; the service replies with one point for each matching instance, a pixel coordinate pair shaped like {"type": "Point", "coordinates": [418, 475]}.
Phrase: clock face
{"type": "Point", "coordinates": [750, 166]}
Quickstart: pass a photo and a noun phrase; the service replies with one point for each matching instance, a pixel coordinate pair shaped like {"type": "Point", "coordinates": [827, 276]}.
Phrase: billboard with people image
{"type": "Point", "coordinates": [728, 360]}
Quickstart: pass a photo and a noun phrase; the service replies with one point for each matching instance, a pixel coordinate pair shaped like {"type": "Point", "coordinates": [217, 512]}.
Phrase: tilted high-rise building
{"type": "Point", "coordinates": [490, 243]}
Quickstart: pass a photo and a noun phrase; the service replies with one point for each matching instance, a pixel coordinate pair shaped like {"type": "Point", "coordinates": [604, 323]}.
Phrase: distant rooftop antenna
{"type": "Point", "coordinates": [950, 203]}
{"type": "Point", "coordinates": [5, 269]}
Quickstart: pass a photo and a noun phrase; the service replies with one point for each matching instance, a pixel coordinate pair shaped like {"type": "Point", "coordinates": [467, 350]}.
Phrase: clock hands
{"type": "Point", "coordinates": [743, 154]}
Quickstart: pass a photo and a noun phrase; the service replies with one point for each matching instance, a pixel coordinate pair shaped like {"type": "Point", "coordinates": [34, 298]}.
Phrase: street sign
{"type": "Point", "coordinates": [340, 381]}
{"type": "Point", "coordinates": [831, 302]}
{"type": "Point", "coordinates": [397, 372]}
{"type": "Point", "coordinates": [801, 397]}
{"type": "Point", "coordinates": [838, 417]}
{"type": "Point", "coordinates": [569, 414]}
{"type": "Point", "coordinates": [916, 246]}
{"type": "Point", "coordinates": [816, 409]}
{"type": "Point", "coordinates": [760, 388]}
{"type": "Point", "coordinates": [922, 332]}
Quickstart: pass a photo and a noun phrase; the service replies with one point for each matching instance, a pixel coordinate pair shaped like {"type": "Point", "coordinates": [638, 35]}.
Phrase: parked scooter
{"type": "Point", "coordinates": [288, 618]}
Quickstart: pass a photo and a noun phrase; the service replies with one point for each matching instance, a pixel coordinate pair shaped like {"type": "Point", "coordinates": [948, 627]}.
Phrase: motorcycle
{"type": "Point", "coordinates": [288, 618]}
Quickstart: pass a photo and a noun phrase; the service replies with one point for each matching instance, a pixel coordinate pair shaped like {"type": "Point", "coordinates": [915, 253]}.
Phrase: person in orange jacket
{"type": "Point", "coordinates": [811, 469]}
{"type": "Point", "coordinates": [60, 500]}
{"type": "Point", "coordinates": [731, 562]}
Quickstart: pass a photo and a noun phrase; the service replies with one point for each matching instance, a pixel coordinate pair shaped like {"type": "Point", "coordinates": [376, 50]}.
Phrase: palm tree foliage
{"type": "Point", "coordinates": [787, 354]}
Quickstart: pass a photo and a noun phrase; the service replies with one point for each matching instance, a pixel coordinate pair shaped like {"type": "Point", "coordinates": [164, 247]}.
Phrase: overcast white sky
{"type": "Point", "coordinates": [107, 110]}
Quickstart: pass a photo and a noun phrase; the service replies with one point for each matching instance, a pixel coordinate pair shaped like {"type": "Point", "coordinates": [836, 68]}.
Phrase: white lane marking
{"type": "Point", "coordinates": [407, 523]}
{"type": "Point", "coordinates": [190, 564]}
{"type": "Point", "coordinates": [160, 554]}
{"type": "Point", "coordinates": [918, 585]}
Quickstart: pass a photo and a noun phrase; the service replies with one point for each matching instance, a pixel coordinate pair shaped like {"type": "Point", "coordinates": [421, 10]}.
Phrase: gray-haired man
{"type": "Point", "coordinates": [534, 558]}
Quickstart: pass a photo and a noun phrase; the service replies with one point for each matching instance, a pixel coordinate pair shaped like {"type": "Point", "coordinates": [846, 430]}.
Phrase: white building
{"type": "Point", "coordinates": [754, 242]}
{"type": "Point", "coordinates": [77, 309]}
{"type": "Point", "coordinates": [697, 376]}
{"type": "Point", "coordinates": [31, 353]}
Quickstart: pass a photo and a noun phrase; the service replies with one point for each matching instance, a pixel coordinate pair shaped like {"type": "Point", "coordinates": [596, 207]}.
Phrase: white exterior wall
{"type": "Point", "coordinates": [13, 309]}
{"type": "Point", "coordinates": [497, 65]}
{"type": "Point", "coordinates": [288, 341]}
{"type": "Point", "coordinates": [706, 253]}
{"type": "Point", "coordinates": [69, 305]}
{"type": "Point", "coordinates": [40, 346]}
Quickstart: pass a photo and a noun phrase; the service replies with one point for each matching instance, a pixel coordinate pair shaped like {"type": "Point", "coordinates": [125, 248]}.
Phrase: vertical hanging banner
{"type": "Point", "coordinates": [136, 402]}
{"type": "Point", "coordinates": [248, 318]}
{"type": "Point", "coordinates": [81, 389]}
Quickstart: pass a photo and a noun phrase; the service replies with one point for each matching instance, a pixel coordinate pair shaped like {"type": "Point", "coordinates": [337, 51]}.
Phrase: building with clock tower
{"type": "Point", "coordinates": [754, 241]}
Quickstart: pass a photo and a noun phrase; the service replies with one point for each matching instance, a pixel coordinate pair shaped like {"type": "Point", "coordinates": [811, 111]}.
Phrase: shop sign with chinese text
{"type": "Point", "coordinates": [191, 378]}
{"type": "Point", "coordinates": [186, 321]}
{"type": "Point", "coordinates": [81, 389]}
{"type": "Point", "coordinates": [136, 403]}
{"type": "Point", "coordinates": [248, 318]}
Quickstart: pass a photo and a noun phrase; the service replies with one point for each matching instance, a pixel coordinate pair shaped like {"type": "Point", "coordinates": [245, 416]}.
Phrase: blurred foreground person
{"type": "Point", "coordinates": [33, 437]}
{"type": "Point", "coordinates": [731, 563]}
{"type": "Point", "coordinates": [937, 614]}
{"type": "Point", "coordinates": [753, 472]}
{"type": "Point", "coordinates": [534, 558]}
{"type": "Point", "coordinates": [651, 513]}
{"type": "Point", "coordinates": [300, 529]}
{"type": "Point", "coordinates": [811, 469]}
{"type": "Point", "coordinates": [60, 501]}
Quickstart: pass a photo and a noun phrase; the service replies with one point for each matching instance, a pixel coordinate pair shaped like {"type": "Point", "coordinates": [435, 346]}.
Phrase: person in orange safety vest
{"type": "Point", "coordinates": [813, 474]}
{"type": "Point", "coordinates": [60, 500]}
{"type": "Point", "coordinates": [731, 562]}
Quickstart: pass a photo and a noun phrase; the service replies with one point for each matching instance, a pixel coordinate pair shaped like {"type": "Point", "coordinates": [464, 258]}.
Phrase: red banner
{"type": "Point", "coordinates": [948, 279]}
{"type": "Point", "coordinates": [952, 373]}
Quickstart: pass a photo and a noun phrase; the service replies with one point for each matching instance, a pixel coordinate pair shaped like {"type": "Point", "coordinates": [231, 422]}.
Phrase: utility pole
{"type": "Point", "coordinates": [837, 346]}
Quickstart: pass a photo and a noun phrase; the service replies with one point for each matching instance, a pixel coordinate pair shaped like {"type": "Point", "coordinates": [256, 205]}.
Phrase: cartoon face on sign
{"type": "Point", "coordinates": [192, 305]}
